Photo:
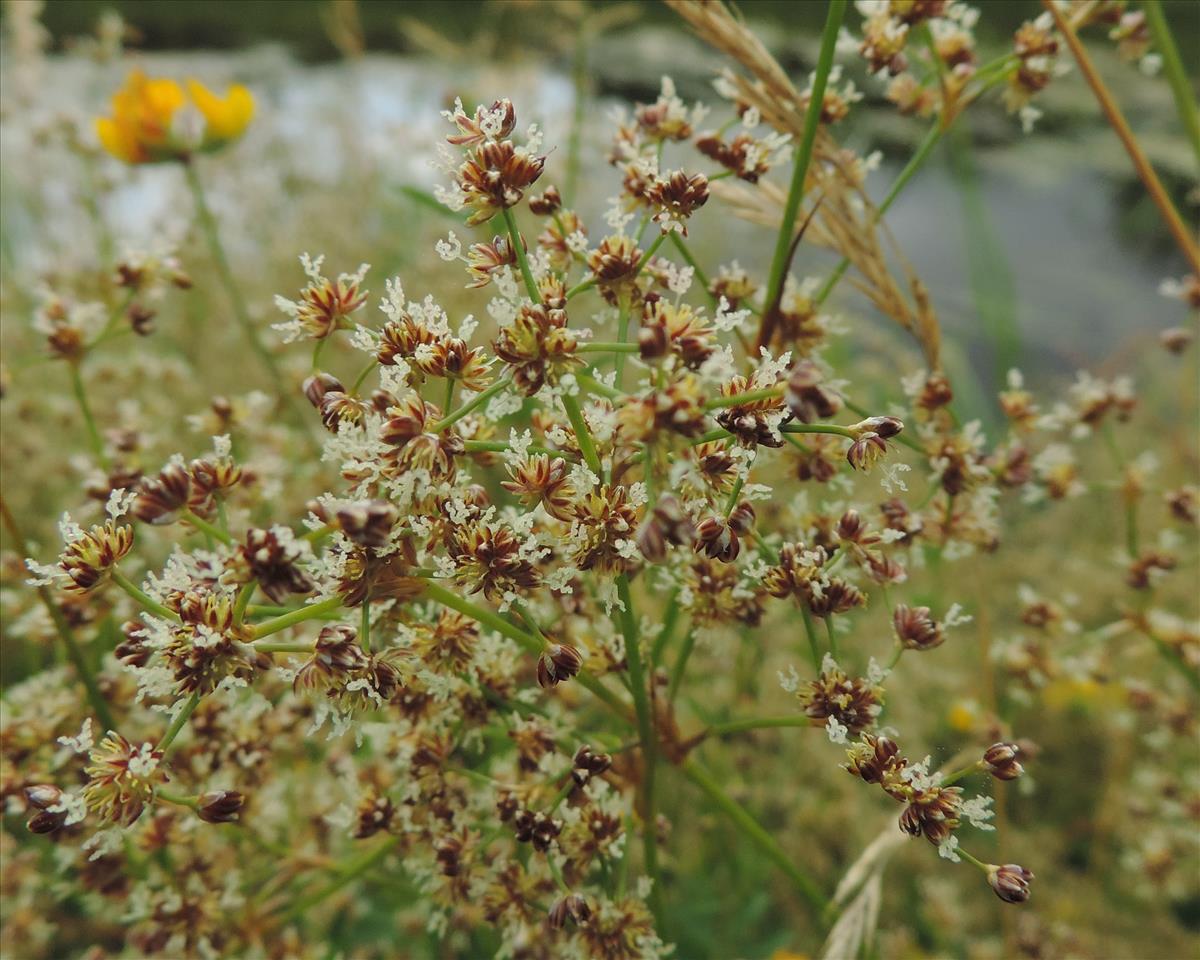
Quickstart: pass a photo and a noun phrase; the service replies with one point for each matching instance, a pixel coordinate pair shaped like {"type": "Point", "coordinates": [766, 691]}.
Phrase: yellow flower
{"type": "Point", "coordinates": [156, 119]}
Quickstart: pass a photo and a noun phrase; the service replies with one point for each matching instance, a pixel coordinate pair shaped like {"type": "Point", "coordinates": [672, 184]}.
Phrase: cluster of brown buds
{"type": "Point", "coordinates": [538, 828]}
{"type": "Point", "coordinates": [588, 764]}
{"type": "Point", "coordinates": [494, 173]}
{"type": "Point", "coordinates": [573, 907]}
{"type": "Point", "coordinates": [720, 537]}
{"type": "Point", "coordinates": [538, 347]}
{"type": "Point", "coordinates": [676, 198]}
{"type": "Point", "coordinates": [842, 704]}
{"type": "Point", "coordinates": [180, 486]}
{"type": "Point", "coordinates": [47, 800]}
{"type": "Point", "coordinates": [1000, 760]}
{"type": "Point", "coordinates": [220, 806]}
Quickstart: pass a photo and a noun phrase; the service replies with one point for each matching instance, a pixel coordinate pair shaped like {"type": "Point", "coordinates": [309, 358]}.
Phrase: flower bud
{"type": "Point", "coordinates": [42, 795]}
{"type": "Point", "coordinates": [571, 907]}
{"type": "Point", "coordinates": [319, 384]}
{"type": "Point", "coordinates": [866, 451]}
{"type": "Point", "coordinates": [219, 806]}
{"type": "Point", "coordinates": [1000, 760]}
{"type": "Point", "coordinates": [916, 629]}
{"type": "Point", "coordinates": [1010, 882]}
{"type": "Point", "coordinates": [558, 662]}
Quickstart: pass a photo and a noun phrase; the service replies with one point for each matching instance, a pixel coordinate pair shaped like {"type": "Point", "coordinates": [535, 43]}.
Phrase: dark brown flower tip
{"type": "Point", "coordinates": [571, 907]}
{"type": "Point", "coordinates": [369, 524]}
{"type": "Point", "coordinates": [916, 628]}
{"type": "Point", "coordinates": [219, 806]}
{"type": "Point", "coordinates": [805, 396]}
{"type": "Point", "coordinates": [1000, 760]}
{"type": "Point", "coordinates": [1010, 882]}
{"type": "Point", "coordinates": [589, 764]}
{"type": "Point", "coordinates": [319, 384]}
{"type": "Point", "coordinates": [866, 451]}
{"type": "Point", "coordinates": [546, 203]}
{"type": "Point", "coordinates": [1176, 339]}
{"type": "Point", "coordinates": [558, 662]}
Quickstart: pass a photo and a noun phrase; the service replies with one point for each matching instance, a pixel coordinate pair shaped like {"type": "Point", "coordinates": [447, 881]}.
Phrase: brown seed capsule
{"type": "Point", "coordinates": [219, 806]}
{"type": "Point", "coordinates": [1176, 339]}
{"type": "Point", "coordinates": [571, 907]}
{"type": "Point", "coordinates": [916, 628]}
{"type": "Point", "coordinates": [1000, 760]}
{"type": "Point", "coordinates": [589, 764]}
{"type": "Point", "coordinates": [806, 398]}
{"type": "Point", "coordinates": [558, 662]}
{"type": "Point", "coordinates": [546, 203]}
{"type": "Point", "coordinates": [161, 496]}
{"type": "Point", "coordinates": [1010, 882]}
{"type": "Point", "coordinates": [44, 822]}
{"type": "Point", "coordinates": [368, 524]}
{"type": "Point", "coordinates": [866, 451]}
{"type": "Point", "coordinates": [319, 384]}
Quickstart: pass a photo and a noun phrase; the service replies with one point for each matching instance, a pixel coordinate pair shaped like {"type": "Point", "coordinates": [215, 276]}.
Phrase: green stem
{"type": "Point", "coordinates": [755, 833]}
{"type": "Point", "coordinates": [63, 629]}
{"type": "Point", "coordinates": [582, 435]}
{"type": "Point", "coordinates": [811, 630]}
{"type": "Point", "coordinates": [829, 428]}
{"type": "Point", "coordinates": [366, 372]}
{"type": "Point", "coordinates": [310, 612]}
{"type": "Point", "coordinates": [658, 242]}
{"type": "Point", "coordinates": [959, 774]}
{"type": "Point", "coordinates": [284, 647]}
{"type": "Point", "coordinates": [1181, 87]}
{"type": "Point", "coordinates": [141, 596]}
{"type": "Point", "coordinates": [180, 721]}
{"type": "Point", "coordinates": [497, 446]}
{"type": "Point", "coordinates": [592, 385]}
{"type": "Point", "coordinates": [668, 627]}
{"type": "Point", "coordinates": [833, 644]}
{"type": "Point", "coordinates": [205, 527]}
{"type": "Point", "coordinates": [473, 404]}
{"type": "Point", "coordinates": [245, 595]}
{"type": "Point", "coordinates": [212, 235]}
{"type": "Point", "coordinates": [580, 287]}
{"type": "Point", "coordinates": [522, 260]}
{"type": "Point", "coordinates": [804, 152]}
{"type": "Point", "coordinates": [970, 859]}
{"type": "Point", "coordinates": [647, 735]}
{"type": "Point", "coordinates": [351, 872]}
{"type": "Point", "coordinates": [691, 261]}
{"type": "Point", "coordinates": [89, 421]}
{"type": "Point", "coordinates": [681, 661]}
{"type": "Point", "coordinates": [447, 598]}
{"type": "Point", "coordinates": [603, 346]}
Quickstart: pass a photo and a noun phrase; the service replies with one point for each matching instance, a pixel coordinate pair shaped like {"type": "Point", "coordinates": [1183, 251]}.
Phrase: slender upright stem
{"type": "Point", "coordinates": [579, 80]}
{"type": "Point", "coordinates": [310, 612]}
{"type": "Point", "coordinates": [364, 626]}
{"type": "Point", "coordinates": [142, 597]}
{"type": "Point", "coordinates": [447, 598]}
{"type": "Point", "coordinates": [63, 629]}
{"type": "Point", "coordinates": [85, 411]}
{"type": "Point", "coordinates": [804, 152]}
{"type": "Point", "coordinates": [1181, 86]}
{"type": "Point", "coordinates": [755, 833]}
{"type": "Point", "coordinates": [647, 735]}
{"type": "Point", "coordinates": [1183, 237]}
{"type": "Point", "coordinates": [209, 529]}
{"type": "Point", "coordinates": [245, 595]}
{"type": "Point", "coordinates": [584, 437]}
{"type": "Point", "coordinates": [681, 662]}
{"type": "Point", "coordinates": [212, 234]}
{"type": "Point", "coordinates": [522, 260]}
{"type": "Point", "coordinates": [471, 405]}
{"type": "Point", "coordinates": [622, 334]}
{"type": "Point", "coordinates": [348, 874]}
{"type": "Point", "coordinates": [813, 644]}
{"type": "Point", "coordinates": [181, 719]}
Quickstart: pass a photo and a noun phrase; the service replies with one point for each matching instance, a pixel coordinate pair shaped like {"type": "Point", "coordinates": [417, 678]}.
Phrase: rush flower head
{"type": "Point", "coordinates": [122, 778]}
{"type": "Point", "coordinates": [1010, 882]}
{"type": "Point", "coordinates": [88, 558]}
{"type": "Point", "coordinates": [154, 119]}
{"type": "Point", "coordinates": [325, 306]}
